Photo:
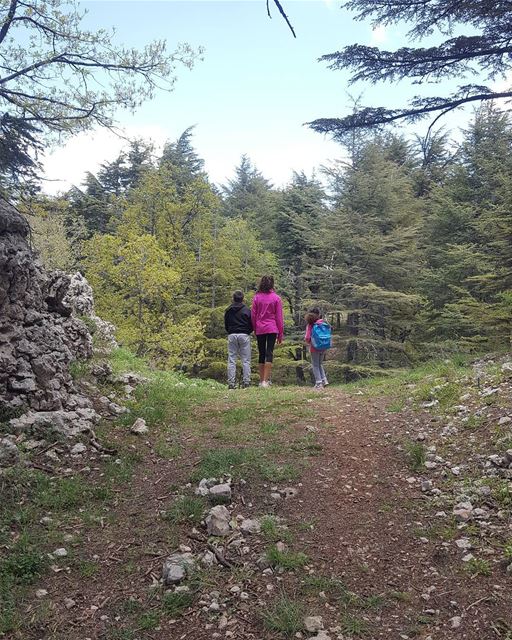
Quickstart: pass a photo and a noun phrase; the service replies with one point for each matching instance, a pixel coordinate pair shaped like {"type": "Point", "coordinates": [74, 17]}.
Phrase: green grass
{"type": "Point", "coordinates": [478, 567]}
{"type": "Point", "coordinates": [272, 428]}
{"type": "Point", "coordinates": [285, 616]}
{"type": "Point", "coordinates": [354, 626]}
{"type": "Point", "coordinates": [188, 509]}
{"type": "Point", "coordinates": [278, 472]}
{"type": "Point", "coordinates": [235, 462]}
{"type": "Point", "coordinates": [285, 559]}
{"type": "Point", "coordinates": [87, 568]}
{"type": "Point", "coordinates": [175, 604]}
{"type": "Point", "coordinates": [168, 398]}
{"type": "Point", "coordinates": [148, 621]}
{"type": "Point", "coordinates": [272, 531]}
{"type": "Point", "coordinates": [416, 455]}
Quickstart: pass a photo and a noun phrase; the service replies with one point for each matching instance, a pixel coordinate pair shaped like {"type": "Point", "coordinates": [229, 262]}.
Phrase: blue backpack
{"type": "Point", "coordinates": [321, 336]}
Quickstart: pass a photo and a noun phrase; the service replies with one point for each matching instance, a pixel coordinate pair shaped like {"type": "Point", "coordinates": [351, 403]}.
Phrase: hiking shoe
{"type": "Point", "coordinates": [264, 384]}
{"type": "Point", "coordinates": [325, 383]}
{"type": "Point", "coordinates": [231, 387]}
{"type": "Point", "coordinates": [246, 385]}
{"type": "Point", "coordinates": [318, 387]}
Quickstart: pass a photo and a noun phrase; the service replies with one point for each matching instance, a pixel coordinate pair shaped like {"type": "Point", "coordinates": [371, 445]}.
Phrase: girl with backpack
{"type": "Point", "coordinates": [318, 336]}
{"type": "Point", "coordinates": [268, 323]}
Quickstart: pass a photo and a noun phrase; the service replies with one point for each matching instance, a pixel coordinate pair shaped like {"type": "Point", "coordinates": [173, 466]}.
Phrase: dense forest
{"type": "Point", "coordinates": [406, 244]}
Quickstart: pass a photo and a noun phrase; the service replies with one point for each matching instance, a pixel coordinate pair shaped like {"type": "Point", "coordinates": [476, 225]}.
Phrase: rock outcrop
{"type": "Point", "coordinates": [39, 334]}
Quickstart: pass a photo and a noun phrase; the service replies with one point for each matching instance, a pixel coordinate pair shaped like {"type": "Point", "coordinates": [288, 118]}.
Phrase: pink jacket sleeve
{"type": "Point", "coordinates": [307, 337]}
{"type": "Point", "coordinates": [254, 313]}
{"type": "Point", "coordinates": [280, 318]}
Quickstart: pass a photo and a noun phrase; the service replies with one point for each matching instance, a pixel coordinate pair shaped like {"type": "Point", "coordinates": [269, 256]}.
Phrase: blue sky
{"type": "Point", "coordinates": [252, 92]}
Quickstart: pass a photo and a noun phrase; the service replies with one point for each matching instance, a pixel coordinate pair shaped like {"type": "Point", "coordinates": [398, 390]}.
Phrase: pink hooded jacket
{"type": "Point", "coordinates": [267, 314]}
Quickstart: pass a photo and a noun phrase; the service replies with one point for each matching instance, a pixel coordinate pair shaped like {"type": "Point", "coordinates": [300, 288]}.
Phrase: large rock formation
{"type": "Point", "coordinates": [39, 335]}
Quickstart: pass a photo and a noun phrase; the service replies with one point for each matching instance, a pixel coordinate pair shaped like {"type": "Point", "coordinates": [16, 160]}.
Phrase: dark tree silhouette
{"type": "Point", "coordinates": [486, 53]}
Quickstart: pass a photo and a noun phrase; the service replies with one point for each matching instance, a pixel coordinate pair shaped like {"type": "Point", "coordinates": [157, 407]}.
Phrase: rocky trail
{"type": "Point", "coordinates": [276, 513]}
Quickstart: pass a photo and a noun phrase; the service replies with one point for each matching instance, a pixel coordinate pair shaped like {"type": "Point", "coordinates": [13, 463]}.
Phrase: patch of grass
{"type": "Point", "coordinates": [501, 492]}
{"type": "Point", "coordinates": [167, 450]}
{"type": "Point", "coordinates": [354, 626]}
{"type": "Point", "coordinates": [148, 620]}
{"type": "Point", "coordinates": [123, 360]}
{"type": "Point", "coordinates": [272, 531]}
{"type": "Point", "coordinates": [24, 563]}
{"type": "Point", "coordinates": [238, 416]}
{"type": "Point", "coordinates": [307, 445]}
{"type": "Point", "coordinates": [87, 568]}
{"type": "Point", "coordinates": [472, 422]}
{"type": "Point", "coordinates": [168, 398]}
{"type": "Point", "coordinates": [376, 601]}
{"type": "Point", "coordinates": [285, 616]}
{"type": "Point", "coordinates": [220, 462]}
{"type": "Point", "coordinates": [396, 406]}
{"type": "Point", "coordinates": [478, 567]}
{"type": "Point", "coordinates": [507, 550]}
{"type": "Point", "coordinates": [188, 509]}
{"type": "Point", "coordinates": [448, 395]}
{"type": "Point", "coordinates": [272, 428]}
{"type": "Point", "coordinates": [65, 494]}
{"type": "Point", "coordinates": [175, 604]}
{"type": "Point", "coordinates": [333, 587]}
{"type": "Point", "coordinates": [416, 455]}
{"type": "Point", "coordinates": [285, 559]}
{"type": "Point", "coordinates": [400, 596]}
{"type": "Point", "coordinates": [78, 369]}
{"type": "Point", "coordinates": [278, 472]}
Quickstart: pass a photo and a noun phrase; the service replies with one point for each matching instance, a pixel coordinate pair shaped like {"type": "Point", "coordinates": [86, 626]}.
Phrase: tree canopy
{"type": "Point", "coordinates": [484, 53]}
{"type": "Point", "coordinates": [57, 77]}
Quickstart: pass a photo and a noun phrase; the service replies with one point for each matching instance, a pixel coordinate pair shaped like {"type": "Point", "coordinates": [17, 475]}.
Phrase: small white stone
{"type": "Point", "coordinates": [60, 553]}
{"type": "Point", "coordinates": [455, 622]}
{"type": "Point", "coordinates": [41, 593]}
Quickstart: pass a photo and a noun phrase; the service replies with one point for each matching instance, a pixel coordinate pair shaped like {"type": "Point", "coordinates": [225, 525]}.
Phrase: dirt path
{"type": "Point", "coordinates": [372, 569]}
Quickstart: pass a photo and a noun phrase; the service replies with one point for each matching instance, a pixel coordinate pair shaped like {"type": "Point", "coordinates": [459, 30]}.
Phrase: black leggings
{"type": "Point", "coordinates": [266, 343]}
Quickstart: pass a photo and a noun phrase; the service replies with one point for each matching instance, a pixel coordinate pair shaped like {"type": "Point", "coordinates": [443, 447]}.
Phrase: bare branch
{"type": "Point", "coordinates": [281, 11]}
{"type": "Point", "coordinates": [8, 21]}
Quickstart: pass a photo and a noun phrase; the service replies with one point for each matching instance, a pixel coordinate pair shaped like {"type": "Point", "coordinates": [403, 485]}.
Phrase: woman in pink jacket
{"type": "Point", "coordinates": [268, 323]}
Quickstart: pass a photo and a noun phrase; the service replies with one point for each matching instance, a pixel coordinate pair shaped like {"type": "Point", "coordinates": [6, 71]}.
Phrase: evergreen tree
{"type": "Point", "coordinates": [182, 161]}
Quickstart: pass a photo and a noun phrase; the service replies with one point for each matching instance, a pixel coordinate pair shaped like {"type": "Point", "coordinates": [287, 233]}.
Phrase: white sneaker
{"type": "Point", "coordinates": [264, 384]}
{"type": "Point", "coordinates": [318, 387]}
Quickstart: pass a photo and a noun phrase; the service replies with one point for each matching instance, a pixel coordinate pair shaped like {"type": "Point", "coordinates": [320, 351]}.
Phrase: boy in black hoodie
{"type": "Point", "coordinates": [237, 321]}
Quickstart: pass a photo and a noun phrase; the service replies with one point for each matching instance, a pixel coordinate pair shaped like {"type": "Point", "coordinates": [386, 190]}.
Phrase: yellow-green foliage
{"type": "Point", "coordinates": [167, 271]}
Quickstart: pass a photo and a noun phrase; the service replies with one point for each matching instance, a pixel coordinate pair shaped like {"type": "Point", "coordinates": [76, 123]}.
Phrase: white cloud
{"type": "Point", "coordinates": [379, 35]}
{"type": "Point", "coordinates": [67, 165]}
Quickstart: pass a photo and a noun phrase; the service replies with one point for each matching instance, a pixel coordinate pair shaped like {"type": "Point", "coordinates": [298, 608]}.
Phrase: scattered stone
{"type": "Point", "coordinates": [463, 511]}
{"type": "Point", "coordinates": [455, 622]}
{"type": "Point", "coordinates": [78, 449]}
{"type": "Point", "coordinates": [41, 593]}
{"type": "Point", "coordinates": [69, 603]}
{"type": "Point", "coordinates": [217, 521]}
{"type": "Point", "coordinates": [250, 526]}
{"type": "Point", "coordinates": [275, 495]}
{"type": "Point", "coordinates": [208, 559]}
{"type": "Point", "coordinates": [313, 623]}
{"type": "Point", "coordinates": [60, 553]}
{"type": "Point", "coordinates": [289, 492]}
{"type": "Point", "coordinates": [139, 427]}
{"type": "Point", "coordinates": [176, 567]}
{"type": "Point", "coordinates": [504, 420]}
{"type": "Point", "coordinates": [463, 543]}
{"type": "Point", "coordinates": [9, 454]}
{"type": "Point", "coordinates": [220, 493]}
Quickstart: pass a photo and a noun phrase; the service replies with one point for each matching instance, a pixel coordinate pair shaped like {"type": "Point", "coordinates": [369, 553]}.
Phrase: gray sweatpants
{"type": "Point", "coordinates": [239, 344]}
{"type": "Point", "coordinates": [317, 362]}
